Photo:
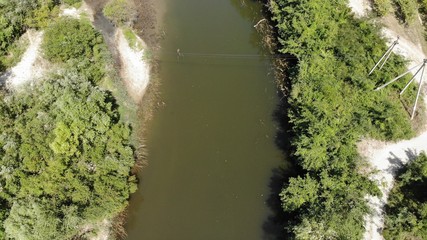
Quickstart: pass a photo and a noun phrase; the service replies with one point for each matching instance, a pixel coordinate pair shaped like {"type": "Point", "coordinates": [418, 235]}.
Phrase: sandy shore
{"type": "Point", "coordinates": [135, 72]}
{"type": "Point", "coordinates": [360, 7]}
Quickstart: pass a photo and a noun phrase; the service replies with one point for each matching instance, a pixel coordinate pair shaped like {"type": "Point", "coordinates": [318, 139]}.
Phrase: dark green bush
{"type": "Point", "coordinates": [120, 11]}
{"type": "Point", "coordinates": [406, 10]}
{"type": "Point", "coordinates": [70, 39]}
{"type": "Point", "coordinates": [382, 7]}
{"type": "Point", "coordinates": [406, 211]}
{"type": "Point", "coordinates": [78, 44]}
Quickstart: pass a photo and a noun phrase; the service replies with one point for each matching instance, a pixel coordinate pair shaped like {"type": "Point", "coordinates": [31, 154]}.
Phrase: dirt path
{"type": "Point", "coordinates": [386, 158]}
{"type": "Point", "coordinates": [30, 67]}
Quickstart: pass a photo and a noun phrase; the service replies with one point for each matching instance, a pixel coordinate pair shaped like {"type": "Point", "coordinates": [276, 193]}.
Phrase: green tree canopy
{"type": "Point", "coordinates": [65, 158]}
{"type": "Point", "coordinates": [406, 210]}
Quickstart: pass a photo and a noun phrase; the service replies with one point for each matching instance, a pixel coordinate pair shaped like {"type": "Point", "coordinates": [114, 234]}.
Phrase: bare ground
{"type": "Point", "coordinates": [31, 67]}
{"type": "Point", "coordinates": [134, 71]}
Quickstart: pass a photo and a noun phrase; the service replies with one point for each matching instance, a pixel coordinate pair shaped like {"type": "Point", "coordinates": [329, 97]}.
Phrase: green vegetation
{"type": "Point", "coordinates": [65, 158]}
{"type": "Point", "coordinates": [423, 14]}
{"type": "Point", "coordinates": [406, 211]}
{"type": "Point", "coordinates": [16, 16]}
{"type": "Point", "coordinates": [76, 43]}
{"type": "Point", "coordinates": [331, 106]}
{"type": "Point", "coordinates": [406, 10]}
{"type": "Point", "coordinates": [15, 52]}
{"type": "Point", "coordinates": [72, 2]}
{"type": "Point", "coordinates": [120, 12]}
{"type": "Point", "coordinates": [65, 151]}
{"type": "Point", "coordinates": [382, 7]}
{"type": "Point", "coordinates": [132, 39]}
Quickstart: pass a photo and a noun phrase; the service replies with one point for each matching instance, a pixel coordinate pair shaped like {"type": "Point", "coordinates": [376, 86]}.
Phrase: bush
{"type": "Point", "coordinates": [120, 12]}
{"type": "Point", "coordinates": [71, 2]}
{"type": "Point", "coordinates": [406, 10]}
{"type": "Point", "coordinates": [406, 211]}
{"type": "Point", "coordinates": [70, 39]}
{"type": "Point", "coordinates": [78, 44]}
{"type": "Point", "coordinates": [382, 7]}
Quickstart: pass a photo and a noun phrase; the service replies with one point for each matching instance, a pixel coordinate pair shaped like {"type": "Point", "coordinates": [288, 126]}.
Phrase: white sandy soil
{"type": "Point", "coordinates": [386, 158]}
{"type": "Point", "coordinates": [77, 13]}
{"type": "Point", "coordinates": [30, 67]}
{"type": "Point", "coordinates": [411, 51]}
{"type": "Point", "coordinates": [135, 71]}
{"type": "Point", "coordinates": [360, 7]}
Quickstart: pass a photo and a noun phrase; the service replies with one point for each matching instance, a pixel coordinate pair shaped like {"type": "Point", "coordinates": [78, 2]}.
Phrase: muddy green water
{"type": "Point", "coordinates": [212, 147]}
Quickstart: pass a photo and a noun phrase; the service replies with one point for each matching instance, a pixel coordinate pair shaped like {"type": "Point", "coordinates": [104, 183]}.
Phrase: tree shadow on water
{"type": "Point", "coordinates": [274, 225]}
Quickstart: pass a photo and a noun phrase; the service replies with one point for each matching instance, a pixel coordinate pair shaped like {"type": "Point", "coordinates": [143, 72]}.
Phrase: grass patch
{"type": "Point", "coordinates": [132, 39]}
{"type": "Point", "coordinates": [382, 7]}
{"type": "Point", "coordinates": [15, 52]}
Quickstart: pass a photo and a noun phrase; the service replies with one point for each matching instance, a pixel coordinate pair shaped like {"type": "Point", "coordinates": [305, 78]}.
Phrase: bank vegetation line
{"type": "Point", "coordinates": [331, 105]}
{"type": "Point", "coordinates": [66, 140]}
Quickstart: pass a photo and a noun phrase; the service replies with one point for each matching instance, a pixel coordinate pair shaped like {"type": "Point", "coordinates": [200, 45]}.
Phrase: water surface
{"type": "Point", "coordinates": [211, 148]}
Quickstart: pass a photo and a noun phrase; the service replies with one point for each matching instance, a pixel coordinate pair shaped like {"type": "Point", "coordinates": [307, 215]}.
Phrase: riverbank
{"type": "Point", "coordinates": [134, 71]}
{"type": "Point", "coordinates": [130, 57]}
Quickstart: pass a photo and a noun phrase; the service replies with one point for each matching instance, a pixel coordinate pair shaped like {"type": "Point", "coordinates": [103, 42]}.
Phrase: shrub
{"type": "Point", "coordinates": [66, 158]}
{"type": "Point", "coordinates": [382, 7]}
{"type": "Point", "coordinates": [406, 211]}
{"type": "Point", "coordinates": [71, 2]}
{"type": "Point", "coordinates": [70, 39]}
{"type": "Point", "coordinates": [120, 12]}
{"type": "Point", "coordinates": [406, 10]}
{"type": "Point", "coordinates": [78, 44]}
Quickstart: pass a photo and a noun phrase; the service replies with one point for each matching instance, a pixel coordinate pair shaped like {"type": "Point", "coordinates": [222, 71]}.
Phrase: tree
{"type": "Point", "coordinates": [66, 158]}
{"type": "Point", "coordinates": [406, 210]}
{"type": "Point", "coordinates": [120, 12]}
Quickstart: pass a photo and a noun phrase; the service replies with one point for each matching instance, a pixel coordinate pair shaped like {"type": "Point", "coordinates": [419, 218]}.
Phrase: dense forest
{"type": "Point", "coordinates": [331, 106]}
{"type": "Point", "coordinates": [65, 150]}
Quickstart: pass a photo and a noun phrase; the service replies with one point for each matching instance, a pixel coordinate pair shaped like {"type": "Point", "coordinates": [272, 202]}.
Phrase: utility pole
{"type": "Point", "coordinates": [421, 68]}
{"type": "Point", "coordinates": [385, 56]}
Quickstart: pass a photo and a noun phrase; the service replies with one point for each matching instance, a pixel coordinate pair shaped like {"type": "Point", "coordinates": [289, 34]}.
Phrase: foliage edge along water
{"type": "Point", "coordinates": [331, 105]}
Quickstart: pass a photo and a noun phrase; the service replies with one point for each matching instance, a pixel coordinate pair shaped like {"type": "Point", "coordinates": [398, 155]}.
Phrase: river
{"type": "Point", "coordinates": [212, 150]}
